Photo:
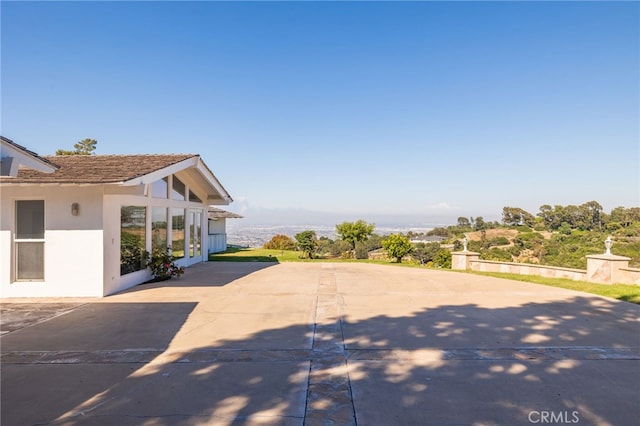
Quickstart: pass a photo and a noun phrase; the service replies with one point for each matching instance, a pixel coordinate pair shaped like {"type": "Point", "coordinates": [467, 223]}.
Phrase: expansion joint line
{"type": "Point", "coordinates": [329, 395]}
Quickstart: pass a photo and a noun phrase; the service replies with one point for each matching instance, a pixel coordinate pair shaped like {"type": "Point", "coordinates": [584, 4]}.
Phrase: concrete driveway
{"type": "Point", "coordinates": [324, 344]}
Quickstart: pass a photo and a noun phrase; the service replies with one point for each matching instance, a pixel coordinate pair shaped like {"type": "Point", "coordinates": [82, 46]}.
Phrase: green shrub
{"type": "Point", "coordinates": [529, 240]}
{"type": "Point", "coordinates": [361, 251]}
{"type": "Point", "coordinates": [474, 246]}
{"type": "Point", "coordinates": [162, 264]}
{"type": "Point", "coordinates": [443, 259]}
{"type": "Point", "coordinates": [497, 255]}
{"type": "Point", "coordinates": [373, 243]}
{"type": "Point", "coordinates": [499, 241]}
{"type": "Point", "coordinates": [514, 251]}
{"type": "Point", "coordinates": [613, 226]}
{"type": "Point", "coordinates": [565, 228]}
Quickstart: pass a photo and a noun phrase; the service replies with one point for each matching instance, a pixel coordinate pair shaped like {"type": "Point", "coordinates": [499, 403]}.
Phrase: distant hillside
{"type": "Point", "coordinates": [556, 236]}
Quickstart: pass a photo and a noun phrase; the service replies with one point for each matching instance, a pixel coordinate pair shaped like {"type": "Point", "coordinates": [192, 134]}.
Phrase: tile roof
{"type": "Point", "coordinates": [98, 168]}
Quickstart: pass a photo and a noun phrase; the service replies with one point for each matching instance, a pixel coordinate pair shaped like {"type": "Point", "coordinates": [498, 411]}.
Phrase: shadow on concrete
{"type": "Point", "coordinates": [577, 360]}
{"type": "Point", "coordinates": [207, 274]}
{"type": "Point", "coordinates": [54, 365]}
{"type": "Point", "coordinates": [451, 364]}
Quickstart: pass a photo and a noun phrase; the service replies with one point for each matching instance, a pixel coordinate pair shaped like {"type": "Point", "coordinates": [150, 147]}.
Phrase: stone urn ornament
{"type": "Point", "coordinates": [608, 243]}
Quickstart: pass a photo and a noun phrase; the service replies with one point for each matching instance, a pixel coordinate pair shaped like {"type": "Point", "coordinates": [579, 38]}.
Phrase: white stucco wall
{"type": "Point", "coordinates": [73, 244]}
{"type": "Point", "coordinates": [5, 251]}
{"type": "Point", "coordinates": [217, 235]}
{"type": "Point", "coordinates": [218, 226]}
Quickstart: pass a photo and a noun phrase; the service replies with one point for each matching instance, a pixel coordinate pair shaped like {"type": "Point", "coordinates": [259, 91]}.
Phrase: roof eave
{"type": "Point", "coordinates": [163, 172]}
{"type": "Point", "coordinates": [26, 158]}
{"type": "Point", "coordinates": [213, 180]}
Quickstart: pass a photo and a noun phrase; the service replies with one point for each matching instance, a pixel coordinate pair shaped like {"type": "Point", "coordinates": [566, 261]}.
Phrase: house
{"type": "Point", "coordinates": [78, 225]}
{"type": "Point", "coordinates": [428, 239]}
{"type": "Point", "coordinates": [218, 228]}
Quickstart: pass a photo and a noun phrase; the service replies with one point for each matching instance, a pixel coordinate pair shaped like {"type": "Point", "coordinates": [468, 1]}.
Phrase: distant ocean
{"type": "Point", "coordinates": [257, 235]}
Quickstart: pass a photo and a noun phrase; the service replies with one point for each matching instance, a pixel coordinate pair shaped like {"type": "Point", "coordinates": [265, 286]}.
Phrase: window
{"type": "Point", "coordinates": [194, 198]}
{"type": "Point", "coordinates": [159, 228]}
{"type": "Point", "coordinates": [29, 240]}
{"type": "Point", "coordinates": [195, 231]}
{"type": "Point", "coordinates": [177, 232]}
{"type": "Point", "coordinates": [198, 235]}
{"type": "Point", "coordinates": [178, 191]}
{"type": "Point", "coordinates": [133, 220]}
{"type": "Point", "coordinates": [160, 188]}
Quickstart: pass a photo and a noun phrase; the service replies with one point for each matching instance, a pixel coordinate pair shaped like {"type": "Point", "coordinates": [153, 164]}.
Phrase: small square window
{"type": "Point", "coordinates": [30, 219]}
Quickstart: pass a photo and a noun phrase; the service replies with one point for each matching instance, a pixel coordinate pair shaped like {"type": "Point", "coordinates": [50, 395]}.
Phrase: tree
{"type": "Point", "coordinates": [592, 213]}
{"type": "Point", "coordinates": [548, 216]}
{"type": "Point", "coordinates": [397, 246]}
{"type": "Point", "coordinates": [573, 215]}
{"type": "Point", "coordinates": [83, 147]}
{"type": "Point", "coordinates": [353, 232]}
{"type": "Point", "coordinates": [514, 216]}
{"type": "Point", "coordinates": [425, 253]}
{"type": "Point", "coordinates": [463, 222]}
{"type": "Point", "coordinates": [625, 216]}
{"type": "Point", "coordinates": [439, 232]}
{"type": "Point", "coordinates": [307, 242]}
{"type": "Point", "coordinates": [280, 242]}
{"type": "Point", "coordinates": [480, 224]}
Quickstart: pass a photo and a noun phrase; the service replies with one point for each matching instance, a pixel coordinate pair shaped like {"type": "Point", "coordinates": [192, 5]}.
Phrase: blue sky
{"type": "Point", "coordinates": [431, 110]}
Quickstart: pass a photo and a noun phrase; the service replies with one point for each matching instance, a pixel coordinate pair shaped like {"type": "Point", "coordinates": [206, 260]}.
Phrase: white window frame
{"type": "Point", "coordinates": [17, 241]}
{"type": "Point", "coordinates": [188, 207]}
{"type": "Point", "coordinates": [194, 227]}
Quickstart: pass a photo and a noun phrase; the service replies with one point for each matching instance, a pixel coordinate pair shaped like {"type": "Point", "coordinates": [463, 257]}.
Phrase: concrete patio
{"type": "Point", "coordinates": [324, 344]}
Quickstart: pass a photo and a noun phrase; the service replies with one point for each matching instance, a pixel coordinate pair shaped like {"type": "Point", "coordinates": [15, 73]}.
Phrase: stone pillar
{"type": "Point", "coordinates": [461, 260]}
{"type": "Point", "coordinates": [603, 268]}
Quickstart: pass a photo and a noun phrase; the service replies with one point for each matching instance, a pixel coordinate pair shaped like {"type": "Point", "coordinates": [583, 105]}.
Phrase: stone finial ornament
{"type": "Point", "coordinates": [608, 243]}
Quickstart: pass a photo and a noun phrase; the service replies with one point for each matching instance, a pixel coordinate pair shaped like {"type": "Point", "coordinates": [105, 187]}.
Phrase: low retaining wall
{"type": "Point", "coordinates": [629, 275]}
{"type": "Point", "coordinates": [528, 269]}
{"type": "Point", "coordinates": [601, 268]}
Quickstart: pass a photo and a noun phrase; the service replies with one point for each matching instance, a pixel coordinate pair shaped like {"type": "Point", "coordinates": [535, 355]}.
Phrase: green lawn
{"type": "Point", "coordinates": [628, 293]}
{"type": "Point", "coordinates": [235, 254]}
